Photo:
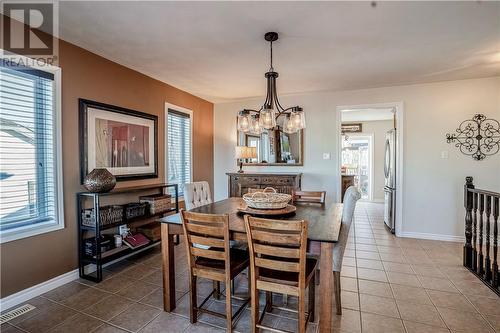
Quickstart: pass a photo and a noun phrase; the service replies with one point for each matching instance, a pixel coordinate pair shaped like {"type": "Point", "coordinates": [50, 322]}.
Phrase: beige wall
{"type": "Point", "coordinates": [32, 260]}
{"type": "Point", "coordinates": [432, 193]}
{"type": "Point", "coordinates": [378, 129]}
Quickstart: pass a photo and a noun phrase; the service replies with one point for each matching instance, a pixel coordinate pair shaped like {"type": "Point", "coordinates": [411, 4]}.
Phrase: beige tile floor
{"type": "Point", "coordinates": [389, 285]}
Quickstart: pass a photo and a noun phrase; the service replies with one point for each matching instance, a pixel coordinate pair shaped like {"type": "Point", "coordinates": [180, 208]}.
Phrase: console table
{"type": "Point", "coordinates": [239, 183]}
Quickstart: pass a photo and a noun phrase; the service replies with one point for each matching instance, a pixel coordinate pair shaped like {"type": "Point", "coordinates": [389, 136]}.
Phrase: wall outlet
{"type": "Point", "coordinates": [444, 154]}
{"type": "Point", "coordinates": [326, 156]}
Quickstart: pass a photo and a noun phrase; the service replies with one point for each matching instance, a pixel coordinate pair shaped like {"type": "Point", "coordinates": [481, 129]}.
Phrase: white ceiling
{"type": "Point", "coordinates": [367, 114]}
{"type": "Point", "coordinates": [216, 50]}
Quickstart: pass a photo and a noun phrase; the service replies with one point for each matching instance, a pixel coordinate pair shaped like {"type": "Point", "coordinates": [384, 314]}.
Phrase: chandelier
{"type": "Point", "coordinates": [256, 121]}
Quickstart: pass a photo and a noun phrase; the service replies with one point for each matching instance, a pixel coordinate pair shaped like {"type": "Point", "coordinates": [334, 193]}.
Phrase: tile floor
{"type": "Point", "coordinates": [389, 285]}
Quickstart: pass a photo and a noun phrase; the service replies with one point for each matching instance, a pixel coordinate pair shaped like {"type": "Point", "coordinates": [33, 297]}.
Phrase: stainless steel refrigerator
{"type": "Point", "coordinates": [390, 179]}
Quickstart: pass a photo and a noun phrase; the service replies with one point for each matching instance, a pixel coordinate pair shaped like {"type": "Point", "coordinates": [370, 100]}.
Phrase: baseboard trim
{"type": "Point", "coordinates": [37, 290]}
{"type": "Point", "coordinates": [423, 235]}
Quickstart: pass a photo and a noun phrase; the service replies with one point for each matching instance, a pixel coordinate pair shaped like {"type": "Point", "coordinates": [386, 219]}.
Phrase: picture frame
{"type": "Point", "coordinates": [124, 141]}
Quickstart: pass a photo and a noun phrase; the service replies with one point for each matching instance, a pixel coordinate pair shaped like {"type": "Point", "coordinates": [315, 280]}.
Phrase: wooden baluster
{"type": "Point", "coordinates": [474, 232]}
{"type": "Point", "coordinates": [495, 242]}
{"type": "Point", "coordinates": [480, 269]}
{"type": "Point", "coordinates": [488, 260]}
{"type": "Point", "coordinates": [468, 201]}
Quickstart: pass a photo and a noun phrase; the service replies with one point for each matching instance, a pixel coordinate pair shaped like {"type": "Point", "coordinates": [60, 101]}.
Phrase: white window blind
{"type": "Point", "coordinates": [28, 178]}
{"type": "Point", "coordinates": [179, 148]}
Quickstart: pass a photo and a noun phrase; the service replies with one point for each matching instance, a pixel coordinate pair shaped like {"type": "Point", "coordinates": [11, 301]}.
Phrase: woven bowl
{"type": "Point", "coordinates": [267, 199]}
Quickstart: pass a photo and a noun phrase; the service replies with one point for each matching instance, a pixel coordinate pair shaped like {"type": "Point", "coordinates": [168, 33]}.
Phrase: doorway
{"type": "Point", "coordinates": [357, 161]}
{"type": "Point", "coordinates": [376, 121]}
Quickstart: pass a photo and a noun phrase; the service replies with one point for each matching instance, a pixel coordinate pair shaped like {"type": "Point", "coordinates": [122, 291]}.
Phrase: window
{"type": "Point", "coordinates": [30, 172]}
{"type": "Point", "coordinates": [179, 148]}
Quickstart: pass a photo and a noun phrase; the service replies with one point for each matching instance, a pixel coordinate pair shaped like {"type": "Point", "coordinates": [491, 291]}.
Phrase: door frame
{"type": "Point", "coordinates": [399, 123]}
{"type": "Point", "coordinates": [370, 137]}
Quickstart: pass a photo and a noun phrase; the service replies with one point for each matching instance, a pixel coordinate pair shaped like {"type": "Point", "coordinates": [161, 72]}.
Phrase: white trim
{"type": "Point", "coordinates": [33, 230]}
{"type": "Point", "coordinates": [399, 115]}
{"type": "Point", "coordinates": [190, 113]}
{"type": "Point", "coordinates": [37, 290]}
{"type": "Point", "coordinates": [423, 235]}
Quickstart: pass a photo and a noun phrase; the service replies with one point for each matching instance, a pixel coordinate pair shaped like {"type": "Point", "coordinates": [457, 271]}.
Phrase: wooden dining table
{"type": "Point", "coordinates": [324, 224]}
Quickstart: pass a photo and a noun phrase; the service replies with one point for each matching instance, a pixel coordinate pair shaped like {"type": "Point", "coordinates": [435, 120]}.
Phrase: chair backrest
{"type": "Point", "coordinates": [207, 236]}
{"type": "Point", "coordinates": [309, 196]}
{"type": "Point", "coordinates": [277, 245]}
{"type": "Point", "coordinates": [197, 194]}
{"type": "Point", "coordinates": [351, 196]}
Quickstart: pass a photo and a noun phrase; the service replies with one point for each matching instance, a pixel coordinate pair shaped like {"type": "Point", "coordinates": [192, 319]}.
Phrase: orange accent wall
{"type": "Point", "coordinates": [33, 260]}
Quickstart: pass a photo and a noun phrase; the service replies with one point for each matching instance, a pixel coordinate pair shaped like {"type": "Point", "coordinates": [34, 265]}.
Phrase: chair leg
{"type": "Point", "coordinates": [193, 300]}
{"type": "Point", "coordinates": [302, 312]}
{"type": "Point", "coordinates": [312, 299]}
{"type": "Point", "coordinates": [254, 302]}
{"type": "Point", "coordinates": [336, 286]}
{"type": "Point", "coordinates": [229, 309]}
{"type": "Point", "coordinates": [216, 290]}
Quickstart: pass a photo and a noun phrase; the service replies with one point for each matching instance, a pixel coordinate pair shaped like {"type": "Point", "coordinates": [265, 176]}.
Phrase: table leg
{"type": "Point", "coordinates": [326, 285]}
{"type": "Point", "coordinates": [167, 255]}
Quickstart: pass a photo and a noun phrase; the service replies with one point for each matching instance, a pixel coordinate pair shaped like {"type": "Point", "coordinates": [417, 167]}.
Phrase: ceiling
{"type": "Point", "coordinates": [216, 50]}
{"type": "Point", "coordinates": [372, 114]}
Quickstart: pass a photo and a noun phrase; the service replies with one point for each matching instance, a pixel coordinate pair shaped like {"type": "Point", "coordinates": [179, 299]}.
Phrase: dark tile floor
{"type": "Point", "coordinates": [389, 284]}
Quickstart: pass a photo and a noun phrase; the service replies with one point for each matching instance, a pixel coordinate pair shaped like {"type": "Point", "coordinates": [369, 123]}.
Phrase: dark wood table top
{"type": "Point", "coordinates": [324, 221]}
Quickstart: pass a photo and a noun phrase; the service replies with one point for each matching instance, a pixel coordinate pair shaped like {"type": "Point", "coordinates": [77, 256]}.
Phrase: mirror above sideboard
{"type": "Point", "coordinates": [274, 147]}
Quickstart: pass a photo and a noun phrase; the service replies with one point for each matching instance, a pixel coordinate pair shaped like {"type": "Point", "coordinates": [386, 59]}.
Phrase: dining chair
{"type": "Point", "coordinates": [315, 198]}
{"type": "Point", "coordinates": [318, 197]}
{"type": "Point", "coordinates": [278, 263]}
{"type": "Point", "coordinates": [214, 260]}
{"type": "Point", "coordinates": [197, 194]}
{"type": "Point", "coordinates": [351, 196]}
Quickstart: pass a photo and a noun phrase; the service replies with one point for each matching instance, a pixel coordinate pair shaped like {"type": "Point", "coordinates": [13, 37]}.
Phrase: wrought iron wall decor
{"type": "Point", "coordinates": [477, 137]}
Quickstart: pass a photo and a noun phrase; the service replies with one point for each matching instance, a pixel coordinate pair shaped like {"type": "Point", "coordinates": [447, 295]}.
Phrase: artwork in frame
{"type": "Point", "coordinates": [121, 140]}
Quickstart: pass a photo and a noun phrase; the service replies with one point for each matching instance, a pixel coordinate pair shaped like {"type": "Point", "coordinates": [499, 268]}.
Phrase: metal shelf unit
{"type": "Point", "coordinates": [102, 258]}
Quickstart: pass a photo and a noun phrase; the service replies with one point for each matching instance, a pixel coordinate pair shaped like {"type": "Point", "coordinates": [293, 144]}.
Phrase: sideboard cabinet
{"type": "Point", "coordinates": [239, 183]}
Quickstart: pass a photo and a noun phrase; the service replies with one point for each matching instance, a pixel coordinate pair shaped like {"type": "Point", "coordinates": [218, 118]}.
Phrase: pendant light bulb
{"type": "Point", "coordinates": [298, 119]}
{"type": "Point", "coordinates": [288, 126]}
{"type": "Point", "coordinates": [244, 121]}
{"type": "Point", "coordinates": [268, 118]}
{"type": "Point", "coordinates": [256, 127]}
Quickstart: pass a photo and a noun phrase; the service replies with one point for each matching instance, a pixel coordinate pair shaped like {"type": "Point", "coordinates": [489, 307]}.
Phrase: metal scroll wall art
{"type": "Point", "coordinates": [477, 137]}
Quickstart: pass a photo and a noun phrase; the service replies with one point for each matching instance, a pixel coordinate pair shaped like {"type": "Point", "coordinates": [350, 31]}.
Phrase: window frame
{"type": "Point", "coordinates": [29, 230]}
{"type": "Point", "coordinates": [188, 112]}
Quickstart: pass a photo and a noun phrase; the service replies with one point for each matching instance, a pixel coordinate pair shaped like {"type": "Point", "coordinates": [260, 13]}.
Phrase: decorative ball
{"type": "Point", "coordinates": [99, 181]}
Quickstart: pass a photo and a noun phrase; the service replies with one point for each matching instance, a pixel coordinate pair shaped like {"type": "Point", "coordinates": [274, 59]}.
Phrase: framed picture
{"type": "Point", "coordinates": [352, 128]}
{"type": "Point", "coordinates": [121, 140]}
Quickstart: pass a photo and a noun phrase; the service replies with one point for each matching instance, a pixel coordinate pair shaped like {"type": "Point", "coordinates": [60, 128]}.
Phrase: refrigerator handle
{"type": "Point", "coordinates": [387, 159]}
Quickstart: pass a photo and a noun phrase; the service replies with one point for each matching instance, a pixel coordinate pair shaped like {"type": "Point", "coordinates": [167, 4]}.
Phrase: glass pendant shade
{"type": "Point", "coordinates": [288, 125]}
{"type": "Point", "coordinates": [244, 121]}
{"type": "Point", "coordinates": [256, 127]}
{"type": "Point", "coordinates": [268, 118]}
{"type": "Point", "coordinates": [298, 120]}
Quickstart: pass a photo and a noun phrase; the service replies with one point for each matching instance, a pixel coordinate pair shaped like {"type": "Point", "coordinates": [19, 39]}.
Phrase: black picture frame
{"type": "Point", "coordinates": [84, 104]}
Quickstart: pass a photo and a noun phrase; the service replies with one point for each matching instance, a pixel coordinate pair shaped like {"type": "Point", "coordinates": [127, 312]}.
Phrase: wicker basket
{"type": "Point", "coordinates": [267, 199]}
{"type": "Point", "coordinates": [133, 210]}
{"type": "Point", "coordinates": [158, 203]}
{"type": "Point", "coordinates": [107, 215]}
